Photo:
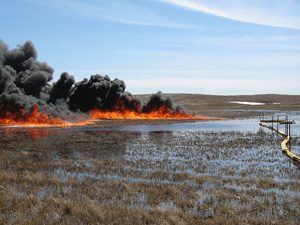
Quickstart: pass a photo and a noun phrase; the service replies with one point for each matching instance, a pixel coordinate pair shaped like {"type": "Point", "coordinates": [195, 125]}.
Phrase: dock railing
{"type": "Point", "coordinates": [281, 120]}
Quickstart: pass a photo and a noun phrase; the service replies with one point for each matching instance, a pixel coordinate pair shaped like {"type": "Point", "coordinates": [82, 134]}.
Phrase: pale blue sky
{"type": "Point", "coordinates": [187, 46]}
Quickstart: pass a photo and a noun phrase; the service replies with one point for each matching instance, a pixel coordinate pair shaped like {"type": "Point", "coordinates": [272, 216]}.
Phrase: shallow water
{"type": "Point", "coordinates": [215, 165]}
{"type": "Point", "coordinates": [249, 125]}
{"type": "Point", "coordinates": [241, 125]}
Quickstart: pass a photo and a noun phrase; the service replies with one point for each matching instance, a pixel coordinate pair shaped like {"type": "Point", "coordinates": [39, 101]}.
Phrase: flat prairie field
{"type": "Point", "coordinates": [152, 172]}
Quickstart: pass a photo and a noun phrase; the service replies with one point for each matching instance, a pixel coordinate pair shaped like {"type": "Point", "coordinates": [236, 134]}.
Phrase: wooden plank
{"type": "Point", "coordinates": [272, 121]}
{"type": "Point", "coordinates": [288, 122]}
{"type": "Point", "coordinates": [278, 121]}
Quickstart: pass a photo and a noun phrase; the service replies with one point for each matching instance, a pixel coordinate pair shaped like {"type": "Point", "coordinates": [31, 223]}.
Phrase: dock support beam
{"type": "Point", "coordinates": [277, 124]}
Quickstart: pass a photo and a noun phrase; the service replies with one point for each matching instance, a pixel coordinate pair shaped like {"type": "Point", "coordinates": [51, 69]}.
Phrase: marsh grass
{"type": "Point", "coordinates": [86, 177]}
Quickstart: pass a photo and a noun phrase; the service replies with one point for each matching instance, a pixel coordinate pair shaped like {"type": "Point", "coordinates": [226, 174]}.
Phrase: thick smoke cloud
{"type": "Point", "coordinates": [157, 101]}
{"type": "Point", "coordinates": [24, 82]}
{"type": "Point", "coordinates": [62, 88]}
{"type": "Point", "coordinates": [102, 93]}
{"type": "Point", "coordinates": [17, 58]}
{"type": "Point", "coordinates": [89, 94]}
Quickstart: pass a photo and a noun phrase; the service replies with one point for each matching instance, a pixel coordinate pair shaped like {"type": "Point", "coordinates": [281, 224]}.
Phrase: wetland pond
{"type": "Point", "coordinates": [215, 171]}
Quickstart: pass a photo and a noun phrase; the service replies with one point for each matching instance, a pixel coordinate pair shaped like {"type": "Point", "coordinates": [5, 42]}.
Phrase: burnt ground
{"type": "Point", "coordinates": [98, 176]}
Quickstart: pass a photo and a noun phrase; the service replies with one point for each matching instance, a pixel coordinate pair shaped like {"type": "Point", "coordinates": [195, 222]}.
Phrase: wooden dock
{"type": "Point", "coordinates": [286, 134]}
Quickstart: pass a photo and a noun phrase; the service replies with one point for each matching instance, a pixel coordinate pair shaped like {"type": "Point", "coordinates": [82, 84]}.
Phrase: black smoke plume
{"type": "Point", "coordinates": [24, 82]}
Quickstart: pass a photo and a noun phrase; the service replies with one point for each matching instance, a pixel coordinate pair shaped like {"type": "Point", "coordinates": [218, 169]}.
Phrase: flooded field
{"type": "Point", "coordinates": [222, 172]}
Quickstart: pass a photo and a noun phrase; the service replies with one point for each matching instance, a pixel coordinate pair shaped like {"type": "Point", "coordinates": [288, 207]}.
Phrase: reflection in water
{"type": "Point", "coordinates": [32, 133]}
{"type": "Point", "coordinates": [38, 133]}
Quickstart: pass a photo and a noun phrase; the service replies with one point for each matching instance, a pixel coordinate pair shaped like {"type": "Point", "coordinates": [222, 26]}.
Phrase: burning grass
{"type": "Point", "coordinates": [32, 118]}
{"type": "Point", "coordinates": [35, 118]}
{"type": "Point", "coordinates": [74, 176]}
{"type": "Point", "coordinates": [29, 99]}
{"type": "Point", "coordinates": [159, 114]}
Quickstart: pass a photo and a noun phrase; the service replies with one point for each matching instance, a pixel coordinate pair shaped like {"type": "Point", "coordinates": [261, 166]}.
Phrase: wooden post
{"type": "Point", "coordinates": [286, 125]}
{"type": "Point", "coordinates": [272, 124]}
{"type": "Point", "coordinates": [277, 123]}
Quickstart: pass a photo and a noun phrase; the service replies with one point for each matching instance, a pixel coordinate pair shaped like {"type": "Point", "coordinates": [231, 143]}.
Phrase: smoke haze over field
{"type": "Point", "coordinates": [24, 83]}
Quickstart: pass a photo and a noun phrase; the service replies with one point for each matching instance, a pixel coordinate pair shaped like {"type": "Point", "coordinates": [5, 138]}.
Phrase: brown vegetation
{"type": "Point", "coordinates": [220, 106]}
{"type": "Point", "coordinates": [78, 176]}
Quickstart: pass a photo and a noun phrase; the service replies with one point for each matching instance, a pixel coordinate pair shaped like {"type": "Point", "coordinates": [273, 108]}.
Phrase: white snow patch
{"type": "Point", "coordinates": [247, 103]}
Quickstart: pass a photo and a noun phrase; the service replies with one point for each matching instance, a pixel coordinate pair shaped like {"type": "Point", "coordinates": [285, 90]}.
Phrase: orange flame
{"type": "Point", "coordinates": [39, 119]}
{"type": "Point", "coordinates": [161, 113]}
{"type": "Point", "coordinates": [33, 118]}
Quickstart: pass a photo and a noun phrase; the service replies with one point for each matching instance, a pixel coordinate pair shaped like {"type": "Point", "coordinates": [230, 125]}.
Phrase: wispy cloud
{"type": "Point", "coordinates": [275, 13]}
{"type": "Point", "coordinates": [116, 11]}
{"type": "Point", "coordinates": [212, 85]}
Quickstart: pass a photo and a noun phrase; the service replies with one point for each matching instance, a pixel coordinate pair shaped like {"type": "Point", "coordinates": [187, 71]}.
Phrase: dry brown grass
{"type": "Point", "coordinates": [220, 106]}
